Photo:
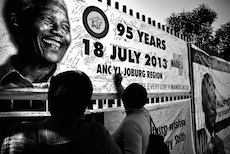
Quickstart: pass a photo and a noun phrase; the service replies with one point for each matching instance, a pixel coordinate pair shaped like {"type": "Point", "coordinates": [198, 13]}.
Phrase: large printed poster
{"type": "Point", "coordinates": [212, 100]}
{"type": "Point", "coordinates": [173, 121]}
{"type": "Point", "coordinates": [105, 41]}
{"type": "Point", "coordinates": [101, 41]}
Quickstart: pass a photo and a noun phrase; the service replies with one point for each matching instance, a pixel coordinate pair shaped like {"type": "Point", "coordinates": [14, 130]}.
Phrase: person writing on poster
{"type": "Point", "coordinates": [132, 136]}
{"type": "Point", "coordinates": [41, 31]}
{"type": "Point", "coordinates": [66, 131]}
{"type": "Point", "coordinates": [209, 108]}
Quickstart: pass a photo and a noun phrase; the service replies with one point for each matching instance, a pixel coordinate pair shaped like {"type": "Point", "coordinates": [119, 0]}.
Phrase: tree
{"type": "Point", "coordinates": [222, 40]}
{"type": "Point", "coordinates": [196, 24]}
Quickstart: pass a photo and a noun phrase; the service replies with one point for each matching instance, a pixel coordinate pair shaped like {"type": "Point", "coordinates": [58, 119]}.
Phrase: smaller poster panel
{"type": "Point", "coordinates": [212, 101]}
{"type": "Point", "coordinates": [172, 120]}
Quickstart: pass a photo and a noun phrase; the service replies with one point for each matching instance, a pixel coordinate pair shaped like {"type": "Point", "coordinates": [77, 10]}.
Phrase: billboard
{"type": "Point", "coordinates": [102, 41]}
{"type": "Point", "coordinates": [105, 41]}
{"type": "Point", "coordinates": [212, 99]}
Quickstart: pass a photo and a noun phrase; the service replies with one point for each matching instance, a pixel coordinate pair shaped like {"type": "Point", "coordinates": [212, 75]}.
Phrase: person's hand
{"type": "Point", "coordinates": [117, 78]}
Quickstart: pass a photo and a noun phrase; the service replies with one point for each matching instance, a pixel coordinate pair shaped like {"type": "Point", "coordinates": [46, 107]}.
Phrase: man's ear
{"type": "Point", "coordinates": [14, 21]}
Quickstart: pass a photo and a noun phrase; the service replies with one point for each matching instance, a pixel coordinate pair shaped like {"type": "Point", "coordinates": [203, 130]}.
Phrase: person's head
{"type": "Point", "coordinates": [69, 94]}
{"type": "Point", "coordinates": [209, 101]}
{"type": "Point", "coordinates": [40, 28]}
{"type": "Point", "coordinates": [134, 96]}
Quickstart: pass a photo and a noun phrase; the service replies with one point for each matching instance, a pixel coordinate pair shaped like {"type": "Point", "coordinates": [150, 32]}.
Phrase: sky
{"type": "Point", "coordinates": [159, 10]}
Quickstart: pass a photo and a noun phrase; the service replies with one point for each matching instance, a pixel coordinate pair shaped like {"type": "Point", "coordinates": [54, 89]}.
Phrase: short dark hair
{"type": "Point", "coordinates": [134, 96]}
{"type": "Point", "coordinates": [69, 94]}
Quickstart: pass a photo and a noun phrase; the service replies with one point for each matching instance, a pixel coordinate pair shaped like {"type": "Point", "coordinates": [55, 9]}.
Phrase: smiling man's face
{"type": "Point", "coordinates": [211, 105]}
{"type": "Point", "coordinates": [50, 32]}
{"type": "Point", "coordinates": [209, 100]}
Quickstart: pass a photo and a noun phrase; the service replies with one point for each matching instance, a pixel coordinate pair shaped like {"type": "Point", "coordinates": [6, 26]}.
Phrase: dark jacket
{"type": "Point", "coordinates": [59, 137]}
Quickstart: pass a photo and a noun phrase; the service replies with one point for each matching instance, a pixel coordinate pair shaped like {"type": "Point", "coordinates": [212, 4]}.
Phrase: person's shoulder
{"type": "Point", "coordinates": [98, 127]}
{"type": "Point", "coordinates": [20, 138]}
{"type": "Point", "coordinates": [104, 141]}
{"type": "Point", "coordinates": [24, 127]}
{"type": "Point", "coordinates": [100, 131]}
{"type": "Point", "coordinates": [133, 123]}
{"type": "Point", "coordinates": [20, 132]}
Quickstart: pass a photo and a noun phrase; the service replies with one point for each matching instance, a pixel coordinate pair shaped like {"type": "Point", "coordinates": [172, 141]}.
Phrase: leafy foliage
{"type": "Point", "coordinates": [196, 24]}
{"type": "Point", "coordinates": [222, 40]}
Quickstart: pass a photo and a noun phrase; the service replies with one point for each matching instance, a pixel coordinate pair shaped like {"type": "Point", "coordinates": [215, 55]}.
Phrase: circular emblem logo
{"type": "Point", "coordinates": [95, 22]}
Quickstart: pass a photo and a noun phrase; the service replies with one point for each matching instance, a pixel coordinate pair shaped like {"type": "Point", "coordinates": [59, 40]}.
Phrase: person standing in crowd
{"type": "Point", "coordinates": [41, 31]}
{"type": "Point", "coordinates": [66, 131]}
{"type": "Point", "coordinates": [132, 135]}
{"type": "Point", "coordinates": [208, 89]}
